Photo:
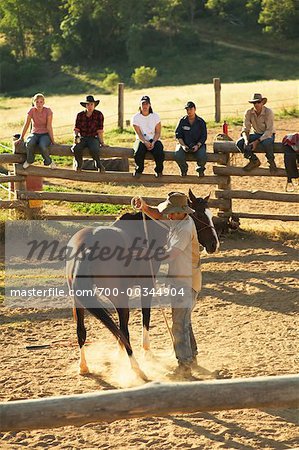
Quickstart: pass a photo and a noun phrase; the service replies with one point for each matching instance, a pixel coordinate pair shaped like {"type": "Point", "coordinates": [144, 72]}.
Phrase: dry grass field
{"type": "Point", "coordinates": [246, 321]}
{"type": "Point", "coordinates": [167, 101]}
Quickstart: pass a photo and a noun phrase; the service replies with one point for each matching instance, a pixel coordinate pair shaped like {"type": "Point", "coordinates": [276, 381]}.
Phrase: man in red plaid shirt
{"type": "Point", "coordinates": [89, 132]}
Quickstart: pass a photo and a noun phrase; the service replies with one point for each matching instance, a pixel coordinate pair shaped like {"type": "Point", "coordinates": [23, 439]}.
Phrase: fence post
{"type": "Point", "coordinates": [20, 186]}
{"type": "Point", "coordinates": [121, 105]}
{"type": "Point", "coordinates": [217, 89]}
{"type": "Point", "coordinates": [226, 185]}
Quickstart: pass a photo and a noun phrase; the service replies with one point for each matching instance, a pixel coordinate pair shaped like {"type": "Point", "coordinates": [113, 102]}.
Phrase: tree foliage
{"type": "Point", "coordinates": [92, 32]}
{"type": "Point", "coordinates": [144, 76]}
{"type": "Point", "coordinates": [280, 17]}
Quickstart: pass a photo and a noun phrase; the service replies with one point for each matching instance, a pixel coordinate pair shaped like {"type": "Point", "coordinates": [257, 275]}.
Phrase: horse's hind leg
{"type": "Point", "coordinates": [81, 335]}
{"type": "Point", "coordinates": [123, 314]}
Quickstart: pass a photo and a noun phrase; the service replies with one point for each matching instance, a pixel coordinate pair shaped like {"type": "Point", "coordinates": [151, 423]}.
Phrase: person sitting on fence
{"type": "Point", "coordinates": [147, 126]}
{"type": "Point", "coordinates": [89, 132]}
{"type": "Point", "coordinates": [41, 135]}
{"type": "Point", "coordinates": [260, 120]}
{"type": "Point", "coordinates": [291, 160]}
{"type": "Point", "coordinates": [191, 133]}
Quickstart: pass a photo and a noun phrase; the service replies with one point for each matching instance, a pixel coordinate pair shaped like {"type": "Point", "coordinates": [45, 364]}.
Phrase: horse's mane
{"type": "Point", "coordinates": [132, 216]}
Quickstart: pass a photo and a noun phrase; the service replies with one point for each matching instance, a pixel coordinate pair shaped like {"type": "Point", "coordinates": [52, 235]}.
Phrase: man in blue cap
{"type": "Point", "coordinates": [191, 134]}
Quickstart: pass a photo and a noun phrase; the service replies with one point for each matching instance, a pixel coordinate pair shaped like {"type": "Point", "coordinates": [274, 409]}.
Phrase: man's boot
{"type": "Point", "coordinates": [273, 167]}
{"type": "Point", "coordinates": [100, 166]}
{"type": "Point", "coordinates": [253, 164]}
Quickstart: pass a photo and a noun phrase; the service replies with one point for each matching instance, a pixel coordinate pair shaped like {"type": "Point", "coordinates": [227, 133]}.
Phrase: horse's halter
{"type": "Point", "coordinates": [196, 219]}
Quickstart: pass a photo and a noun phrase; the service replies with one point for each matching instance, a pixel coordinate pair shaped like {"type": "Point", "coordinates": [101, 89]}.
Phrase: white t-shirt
{"type": "Point", "coordinates": [147, 124]}
{"type": "Point", "coordinates": [185, 267]}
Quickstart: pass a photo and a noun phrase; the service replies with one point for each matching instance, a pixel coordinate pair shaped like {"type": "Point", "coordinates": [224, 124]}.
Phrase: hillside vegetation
{"type": "Point", "coordinates": [63, 46]}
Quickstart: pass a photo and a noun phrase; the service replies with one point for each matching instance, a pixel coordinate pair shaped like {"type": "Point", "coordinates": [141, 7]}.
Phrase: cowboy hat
{"type": "Point", "coordinates": [176, 202]}
{"type": "Point", "coordinates": [90, 99]}
{"type": "Point", "coordinates": [258, 98]}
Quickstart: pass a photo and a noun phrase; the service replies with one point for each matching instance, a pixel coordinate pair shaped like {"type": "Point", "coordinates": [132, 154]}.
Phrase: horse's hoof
{"type": "Point", "coordinates": [83, 371]}
{"type": "Point", "coordinates": [142, 375]}
{"type": "Point", "coordinates": [148, 355]}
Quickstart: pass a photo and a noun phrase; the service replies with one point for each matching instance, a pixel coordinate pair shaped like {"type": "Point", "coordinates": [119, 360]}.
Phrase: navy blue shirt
{"type": "Point", "coordinates": [191, 134]}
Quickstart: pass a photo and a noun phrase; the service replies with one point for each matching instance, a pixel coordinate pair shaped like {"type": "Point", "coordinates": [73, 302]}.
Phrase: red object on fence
{"type": "Point", "coordinates": [225, 128]}
{"type": "Point", "coordinates": [34, 184]}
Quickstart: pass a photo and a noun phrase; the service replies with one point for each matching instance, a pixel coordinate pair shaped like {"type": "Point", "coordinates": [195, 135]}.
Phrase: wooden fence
{"type": "Point", "coordinates": [154, 399]}
{"type": "Point", "coordinates": [25, 199]}
{"type": "Point", "coordinates": [227, 193]}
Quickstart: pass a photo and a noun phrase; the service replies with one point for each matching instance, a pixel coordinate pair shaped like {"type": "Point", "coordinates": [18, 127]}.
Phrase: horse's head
{"type": "Point", "coordinates": [202, 217]}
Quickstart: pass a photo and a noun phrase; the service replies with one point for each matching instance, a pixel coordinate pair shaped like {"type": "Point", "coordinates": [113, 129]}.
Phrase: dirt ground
{"type": "Point", "coordinates": [246, 325]}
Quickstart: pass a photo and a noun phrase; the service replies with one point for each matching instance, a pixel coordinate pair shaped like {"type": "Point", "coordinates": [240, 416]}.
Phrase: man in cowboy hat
{"type": "Point", "coordinates": [258, 128]}
{"type": "Point", "coordinates": [191, 134]}
{"type": "Point", "coordinates": [184, 274]}
{"type": "Point", "coordinates": [88, 132]}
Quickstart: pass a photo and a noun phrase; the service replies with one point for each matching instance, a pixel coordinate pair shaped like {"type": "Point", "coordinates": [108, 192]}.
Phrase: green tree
{"type": "Point", "coordinates": [144, 76]}
{"type": "Point", "coordinates": [90, 30]}
{"type": "Point", "coordinates": [280, 17]}
{"type": "Point", "coordinates": [30, 26]}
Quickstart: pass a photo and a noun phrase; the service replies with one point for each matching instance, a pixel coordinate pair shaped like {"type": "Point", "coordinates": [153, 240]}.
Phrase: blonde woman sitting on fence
{"type": "Point", "coordinates": [41, 135]}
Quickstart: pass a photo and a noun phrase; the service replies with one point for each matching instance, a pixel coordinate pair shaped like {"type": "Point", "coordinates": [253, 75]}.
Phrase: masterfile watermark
{"type": "Point", "coordinates": [140, 250]}
{"type": "Point", "coordinates": [58, 264]}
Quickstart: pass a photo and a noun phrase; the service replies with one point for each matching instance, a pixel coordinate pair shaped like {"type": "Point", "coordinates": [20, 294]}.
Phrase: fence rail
{"type": "Point", "coordinates": [29, 200]}
{"type": "Point", "coordinates": [259, 195]}
{"type": "Point", "coordinates": [154, 399]}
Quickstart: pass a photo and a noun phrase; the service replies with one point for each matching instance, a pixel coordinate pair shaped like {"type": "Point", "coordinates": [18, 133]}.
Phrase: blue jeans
{"type": "Point", "coordinates": [200, 156]}
{"type": "Point", "coordinates": [184, 341]}
{"type": "Point", "coordinates": [93, 145]}
{"type": "Point", "coordinates": [266, 144]}
{"type": "Point", "coordinates": [43, 141]}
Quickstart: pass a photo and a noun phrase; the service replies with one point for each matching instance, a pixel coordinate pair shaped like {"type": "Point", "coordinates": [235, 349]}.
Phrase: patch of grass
{"type": "Point", "coordinates": [56, 188]}
{"type": "Point", "coordinates": [101, 209]}
{"type": "Point", "coordinates": [287, 113]}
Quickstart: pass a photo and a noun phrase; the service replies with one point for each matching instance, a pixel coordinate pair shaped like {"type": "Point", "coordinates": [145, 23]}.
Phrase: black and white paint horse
{"type": "Point", "coordinates": [86, 271]}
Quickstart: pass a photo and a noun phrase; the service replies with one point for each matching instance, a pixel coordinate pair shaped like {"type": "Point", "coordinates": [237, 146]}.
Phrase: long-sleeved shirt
{"type": "Point", "coordinates": [191, 134]}
{"type": "Point", "coordinates": [262, 124]}
{"type": "Point", "coordinates": [89, 126]}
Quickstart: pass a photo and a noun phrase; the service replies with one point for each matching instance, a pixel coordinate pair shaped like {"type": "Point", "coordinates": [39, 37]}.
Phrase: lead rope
{"type": "Point", "coordinates": [151, 266]}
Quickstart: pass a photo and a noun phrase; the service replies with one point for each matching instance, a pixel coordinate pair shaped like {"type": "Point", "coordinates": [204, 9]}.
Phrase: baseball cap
{"type": "Point", "coordinates": [190, 105]}
{"type": "Point", "coordinates": [145, 98]}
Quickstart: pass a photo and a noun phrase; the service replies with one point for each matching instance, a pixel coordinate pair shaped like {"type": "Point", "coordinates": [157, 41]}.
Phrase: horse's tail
{"type": "Point", "coordinates": [82, 283]}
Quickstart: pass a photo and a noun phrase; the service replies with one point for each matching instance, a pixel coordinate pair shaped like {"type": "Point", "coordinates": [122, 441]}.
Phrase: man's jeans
{"type": "Point", "coordinates": [93, 145]}
{"type": "Point", "coordinates": [267, 146]}
{"type": "Point", "coordinates": [184, 341]}
{"type": "Point", "coordinates": [43, 141]}
{"type": "Point", "coordinates": [200, 156]}
{"type": "Point", "coordinates": [291, 159]}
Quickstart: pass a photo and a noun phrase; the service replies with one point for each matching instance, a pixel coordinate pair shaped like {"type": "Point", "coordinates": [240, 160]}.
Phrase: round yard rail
{"type": "Point", "coordinates": [154, 399]}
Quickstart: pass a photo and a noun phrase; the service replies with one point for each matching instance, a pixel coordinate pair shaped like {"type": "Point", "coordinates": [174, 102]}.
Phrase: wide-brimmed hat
{"type": "Point", "coordinates": [90, 99]}
{"type": "Point", "coordinates": [258, 98]}
{"type": "Point", "coordinates": [176, 202]}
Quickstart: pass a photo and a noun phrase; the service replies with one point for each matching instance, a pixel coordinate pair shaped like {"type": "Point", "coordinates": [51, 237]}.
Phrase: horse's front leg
{"type": "Point", "coordinates": [81, 335]}
{"type": "Point", "coordinates": [123, 314]}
